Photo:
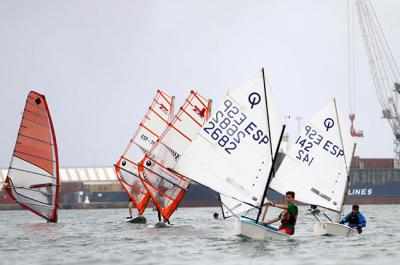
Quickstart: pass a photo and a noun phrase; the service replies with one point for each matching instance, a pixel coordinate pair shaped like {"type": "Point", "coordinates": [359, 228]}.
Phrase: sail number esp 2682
{"type": "Point", "coordinates": [229, 127]}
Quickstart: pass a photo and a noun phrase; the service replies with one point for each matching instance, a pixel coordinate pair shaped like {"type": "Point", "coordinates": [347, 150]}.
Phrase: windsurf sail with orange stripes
{"type": "Point", "coordinates": [165, 187]}
{"type": "Point", "coordinates": [154, 123]}
{"type": "Point", "coordinates": [33, 175]}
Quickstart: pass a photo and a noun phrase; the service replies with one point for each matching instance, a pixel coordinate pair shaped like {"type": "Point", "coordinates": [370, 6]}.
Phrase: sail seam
{"type": "Point", "coordinates": [32, 172]}
{"type": "Point", "coordinates": [40, 157]}
{"type": "Point", "coordinates": [38, 123]}
{"type": "Point", "coordinates": [36, 139]}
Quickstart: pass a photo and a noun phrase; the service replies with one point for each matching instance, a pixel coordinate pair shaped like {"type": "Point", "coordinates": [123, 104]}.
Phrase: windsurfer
{"type": "Point", "coordinates": [288, 216]}
{"type": "Point", "coordinates": [355, 219]}
{"type": "Point", "coordinates": [49, 194]}
{"type": "Point", "coordinates": [130, 206]}
{"type": "Point", "coordinates": [314, 210]}
{"type": "Point", "coordinates": [6, 185]}
{"type": "Point", "coordinates": [216, 215]}
{"type": "Point", "coordinates": [7, 188]}
{"type": "Point", "coordinates": [56, 217]}
{"type": "Point", "coordinates": [55, 220]}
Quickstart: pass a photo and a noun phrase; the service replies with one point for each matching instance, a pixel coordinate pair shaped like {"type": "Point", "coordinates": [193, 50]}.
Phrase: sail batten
{"type": "Point", "coordinates": [35, 139]}
{"type": "Point", "coordinates": [166, 179]}
{"type": "Point", "coordinates": [31, 172]}
{"type": "Point", "coordinates": [35, 156]}
{"type": "Point", "coordinates": [33, 175]}
{"type": "Point", "coordinates": [136, 188]}
{"type": "Point", "coordinates": [35, 122]}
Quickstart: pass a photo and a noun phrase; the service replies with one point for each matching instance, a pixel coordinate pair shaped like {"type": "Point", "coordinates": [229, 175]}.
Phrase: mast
{"type": "Point", "coordinates": [54, 216]}
{"type": "Point", "coordinates": [347, 186]}
{"type": "Point", "coordinates": [272, 170]}
{"type": "Point", "coordinates": [339, 215]}
{"type": "Point", "coordinates": [271, 173]}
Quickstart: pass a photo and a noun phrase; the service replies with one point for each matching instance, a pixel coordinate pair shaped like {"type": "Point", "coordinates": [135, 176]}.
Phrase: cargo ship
{"type": "Point", "coordinates": [372, 181]}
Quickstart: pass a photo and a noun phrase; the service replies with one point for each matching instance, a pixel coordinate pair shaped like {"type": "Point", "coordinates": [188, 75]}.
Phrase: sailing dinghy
{"type": "Point", "coordinates": [154, 123]}
{"type": "Point", "coordinates": [235, 151]}
{"type": "Point", "coordinates": [33, 176]}
{"type": "Point", "coordinates": [317, 166]}
{"type": "Point", "coordinates": [164, 185]}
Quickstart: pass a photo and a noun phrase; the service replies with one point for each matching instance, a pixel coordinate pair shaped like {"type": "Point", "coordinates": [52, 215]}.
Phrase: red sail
{"type": "Point", "coordinates": [33, 175]}
{"type": "Point", "coordinates": [167, 188]}
{"type": "Point", "coordinates": [156, 120]}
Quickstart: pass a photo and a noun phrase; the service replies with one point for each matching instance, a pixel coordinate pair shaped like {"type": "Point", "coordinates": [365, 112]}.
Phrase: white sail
{"type": "Point", "coordinates": [232, 153]}
{"type": "Point", "coordinates": [232, 207]}
{"type": "Point", "coordinates": [317, 165]}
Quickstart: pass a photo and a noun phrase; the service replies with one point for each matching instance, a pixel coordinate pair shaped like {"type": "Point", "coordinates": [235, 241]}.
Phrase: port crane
{"type": "Point", "coordinates": [384, 70]}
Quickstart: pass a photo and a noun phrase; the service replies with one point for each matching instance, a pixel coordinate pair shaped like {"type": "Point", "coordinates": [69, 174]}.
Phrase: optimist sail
{"type": "Point", "coordinates": [33, 175]}
{"type": "Point", "coordinates": [233, 153]}
{"type": "Point", "coordinates": [167, 188]}
{"type": "Point", "coordinates": [317, 165]}
{"type": "Point", "coordinates": [154, 123]}
{"type": "Point", "coordinates": [231, 206]}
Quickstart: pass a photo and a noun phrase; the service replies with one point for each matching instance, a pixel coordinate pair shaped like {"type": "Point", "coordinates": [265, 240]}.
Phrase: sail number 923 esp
{"type": "Point", "coordinates": [312, 139]}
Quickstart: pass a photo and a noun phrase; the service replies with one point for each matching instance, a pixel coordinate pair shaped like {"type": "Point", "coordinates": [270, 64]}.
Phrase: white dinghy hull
{"type": "Point", "coordinates": [249, 228]}
{"type": "Point", "coordinates": [333, 229]}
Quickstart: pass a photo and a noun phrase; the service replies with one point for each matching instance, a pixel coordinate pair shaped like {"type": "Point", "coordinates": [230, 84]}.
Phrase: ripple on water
{"type": "Point", "coordinates": [103, 237]}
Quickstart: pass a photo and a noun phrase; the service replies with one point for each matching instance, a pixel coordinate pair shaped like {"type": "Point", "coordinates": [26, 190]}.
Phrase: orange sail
{"type": "Point", "coordinates": [127, 168]}
{"type": "Point", "coordinates": [167, 188]}
{"type": "Point", "coordinates": [33, 175]}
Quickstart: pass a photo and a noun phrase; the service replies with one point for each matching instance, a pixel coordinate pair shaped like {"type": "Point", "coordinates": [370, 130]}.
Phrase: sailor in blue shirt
{"type": "Point", "coordinates": [355, 219]}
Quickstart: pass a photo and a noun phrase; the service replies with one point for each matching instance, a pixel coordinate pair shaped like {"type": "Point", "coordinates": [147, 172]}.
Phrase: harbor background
{"type": "Point", "coordinates": [372, 181]}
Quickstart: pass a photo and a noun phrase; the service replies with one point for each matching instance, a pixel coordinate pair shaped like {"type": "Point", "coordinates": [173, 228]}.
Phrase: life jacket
{"type": "Point", "coordinates": [353, 219]}
{"type": "Point", "coordinates": [287, 218]}
{"type": "Point", "coordinates": [8, 189]}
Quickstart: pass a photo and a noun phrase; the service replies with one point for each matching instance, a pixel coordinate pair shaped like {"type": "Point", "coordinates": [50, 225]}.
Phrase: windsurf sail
{"type": "Point", "coordinates": [154, 123]}
{"type": "Point", "coordinates": [165, 186]}
{"type": "Point", "coordinates": [317, 165]}
{"type": "Point", "coordinates": [234, 151]}
{"type": "Point", "coordinates": [33, 175]}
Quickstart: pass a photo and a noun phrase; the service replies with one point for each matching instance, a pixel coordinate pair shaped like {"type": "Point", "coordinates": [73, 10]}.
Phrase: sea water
{"type": "Point", "coordinates": [103, 237]}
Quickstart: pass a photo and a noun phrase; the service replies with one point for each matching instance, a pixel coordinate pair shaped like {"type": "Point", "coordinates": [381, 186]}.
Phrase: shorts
{"type": "Point", "coordinates": [286, 230]}
{"type": "Point", "coordinates": [130, 199]}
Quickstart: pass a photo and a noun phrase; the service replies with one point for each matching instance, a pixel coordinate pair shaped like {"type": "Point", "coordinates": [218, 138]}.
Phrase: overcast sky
{"type": "Point", "coordinates": [100, 62]}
